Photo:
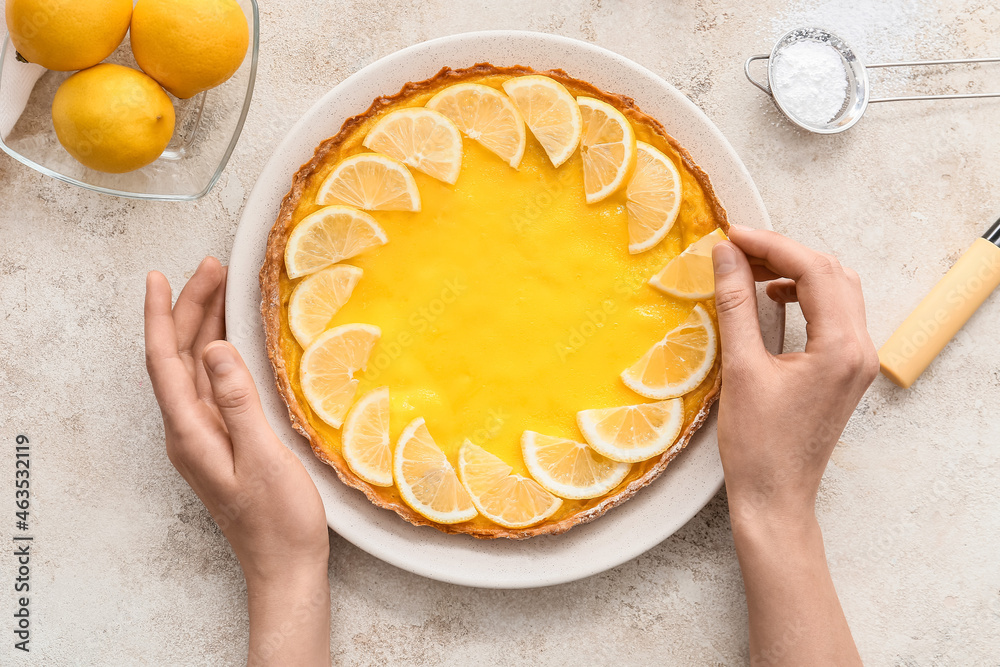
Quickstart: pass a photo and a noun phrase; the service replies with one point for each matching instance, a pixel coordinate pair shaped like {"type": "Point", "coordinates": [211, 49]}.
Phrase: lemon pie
{"type": "Point", "coordinates": [488, 301]}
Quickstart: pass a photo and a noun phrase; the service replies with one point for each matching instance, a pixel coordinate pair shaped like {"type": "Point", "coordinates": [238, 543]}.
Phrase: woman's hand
{"type": "Point", "coordinates": [779, 420]}
{"type": "Point", "coordinates": [781, 416]}
{"type": "Point", "coordinates": [254, 487]}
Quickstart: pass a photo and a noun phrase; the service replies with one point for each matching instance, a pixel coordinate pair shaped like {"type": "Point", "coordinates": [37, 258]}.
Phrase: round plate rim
{"type": "Point", "coordinates": [376, 533]}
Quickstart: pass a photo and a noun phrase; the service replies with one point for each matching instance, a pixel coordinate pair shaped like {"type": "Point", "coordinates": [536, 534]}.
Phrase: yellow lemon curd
{"type": "Point", "coordinates": [507, 303]}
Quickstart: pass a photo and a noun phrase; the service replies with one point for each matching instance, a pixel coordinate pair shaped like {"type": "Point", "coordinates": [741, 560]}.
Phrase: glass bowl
{"type": "Point", "coordinates": [208, 127]}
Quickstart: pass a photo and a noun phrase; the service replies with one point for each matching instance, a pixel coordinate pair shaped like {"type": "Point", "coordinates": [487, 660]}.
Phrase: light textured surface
{"type": "Point", "coordinates": [129, 569]}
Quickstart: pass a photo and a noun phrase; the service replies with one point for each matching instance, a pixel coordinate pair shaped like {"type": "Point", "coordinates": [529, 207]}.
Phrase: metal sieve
{"type": "Point", "coordinates": [858, 95]}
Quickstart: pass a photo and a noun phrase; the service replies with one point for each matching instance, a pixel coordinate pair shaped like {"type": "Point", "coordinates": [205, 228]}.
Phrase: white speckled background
{"type": "Point", "coordinates": [129, 569]}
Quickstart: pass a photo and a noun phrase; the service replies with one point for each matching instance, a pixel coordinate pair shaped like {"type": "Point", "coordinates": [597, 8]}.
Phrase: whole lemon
{"type": "Point", "coordinates": [66, 35]}
{"type": "Point", "coordinates": [189, 45]}
{"type": "Point", "coordinates": [113, 118]}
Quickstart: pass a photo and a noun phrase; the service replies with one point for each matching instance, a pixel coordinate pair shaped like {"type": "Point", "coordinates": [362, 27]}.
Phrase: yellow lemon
{"type": "Point", "coordinates": [371, 182]}
{"type": "Point", "coordinates": [607, 146]}
{"type": "Point", "coordinates": [486, 115]}
{"type": "Point", "coordinates": [691, 274]}
{"type": "Point", "coordinates": [675, 365]}
{"type": "Point", "coordinates": [328, 367]}
{"type": "Point", "coordinates": [653, 198]}
{"type": "Point", "coordinates": [425, 478]}
{"type": "Point", "coordinates": [501, 495]}
{"type": "Point", "coordinates": [365, 438]}
{"type": "Point", "coordinates": [189, 45]}
{"type": "Point", "coordinates": [549, 112]}
{"type": "Point", "coordinates": [421, 138]}
{"type": "Point", "coordinates": [112, 118]}
{"type": "Point", "coordinates": [570, 469]}
{"type": "Point", "coordinates": [633, 433]}
{"type": "Point", "coordinates": [67, 35]}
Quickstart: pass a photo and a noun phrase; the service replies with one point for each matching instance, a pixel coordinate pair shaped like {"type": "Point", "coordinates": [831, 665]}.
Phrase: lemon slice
{"type": "Point", "coordinates": [421, 138]}
{"type": "Point", "coordinates": [678, 363]}
{"type": "Point", "coordinates": [328, 236]}
{"type": "Point", "coordinates": [652, 197]}
{"type": "Point", "coordinates": [486, 115]}
{"type": "Point", "coordinates": [570, 469]}
{"type": "Point", "coordinates": [550, 113]}
{"type": "Point", "coordinates": [365, 438]}
{"type": "Point", "coordinates": [425, 478]}
{"type": "Point", "coordinates": [607, 147]}
{"type": "Point", "coordinates": [328, 366]}
{"type": "Point", "coordinates": [371, 182]}
{"type": "Point", "coordinates": [691, 274]}
{"type": "Point", "coordinates": [501, 496]}
{"type": "Point", "coordinates": [633, 433]}
{"type": "Point", "coordinates": [317, 299]}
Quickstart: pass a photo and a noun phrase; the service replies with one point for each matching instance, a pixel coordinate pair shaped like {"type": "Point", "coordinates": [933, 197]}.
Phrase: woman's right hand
{"type": "Point", "coordinates": [781, 416]}
{"type": "Point", "coordinates": [779, 419]}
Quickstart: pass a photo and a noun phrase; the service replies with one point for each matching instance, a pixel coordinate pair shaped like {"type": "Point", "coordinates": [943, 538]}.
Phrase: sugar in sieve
{"type": "Point", "coordinates": [806, 101]}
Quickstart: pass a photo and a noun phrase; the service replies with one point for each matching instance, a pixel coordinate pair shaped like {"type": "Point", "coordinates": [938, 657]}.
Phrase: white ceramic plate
{"type": "Point", "coordinates": [624, 533]}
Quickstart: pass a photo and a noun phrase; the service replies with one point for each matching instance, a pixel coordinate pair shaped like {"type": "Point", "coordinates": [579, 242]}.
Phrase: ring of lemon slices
{"type": "Point", "coordinates": [622, 448]}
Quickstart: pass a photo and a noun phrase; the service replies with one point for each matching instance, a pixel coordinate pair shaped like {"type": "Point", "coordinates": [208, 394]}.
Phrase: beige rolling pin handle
{"type": "Point", "coordinates": [944, 311]}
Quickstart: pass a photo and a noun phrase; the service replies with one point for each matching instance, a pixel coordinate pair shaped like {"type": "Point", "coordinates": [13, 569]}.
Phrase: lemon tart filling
{"type": "Point", "coordinates": [504, 303]}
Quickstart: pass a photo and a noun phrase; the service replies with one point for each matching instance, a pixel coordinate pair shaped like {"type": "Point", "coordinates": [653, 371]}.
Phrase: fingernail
{"type": "Point", "coordinates": [725, 258]}
{"type": "Point", "coordinates": [741, 228]}
{"type": "Point", "coordinates": [220, 359]}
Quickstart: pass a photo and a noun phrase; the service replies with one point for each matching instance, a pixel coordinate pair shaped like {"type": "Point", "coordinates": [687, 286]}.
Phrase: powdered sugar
{"type": "Point", "coordinates": [879, 30]}
{"type": "Point", "coordinates": [810, 81]}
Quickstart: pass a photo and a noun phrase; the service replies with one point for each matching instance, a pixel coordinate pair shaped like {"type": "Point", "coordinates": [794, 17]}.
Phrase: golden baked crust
{"type": "Point", "coordinates": [272, 307]}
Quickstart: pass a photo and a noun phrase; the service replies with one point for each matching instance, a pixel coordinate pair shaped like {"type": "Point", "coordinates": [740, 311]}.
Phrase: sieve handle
{"type": "Point", "coordinates": [746, 70]}
{"type": "Point", "coordinates": [921, 63]}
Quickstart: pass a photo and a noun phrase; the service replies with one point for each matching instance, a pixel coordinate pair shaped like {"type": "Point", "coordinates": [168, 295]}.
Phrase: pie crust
{"type": "Point", "coordinates": [272, 308]}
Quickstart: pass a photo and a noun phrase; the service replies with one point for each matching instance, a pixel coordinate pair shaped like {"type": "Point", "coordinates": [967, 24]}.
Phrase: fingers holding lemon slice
{"type": "Point", "coordinates": [691, 275]}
